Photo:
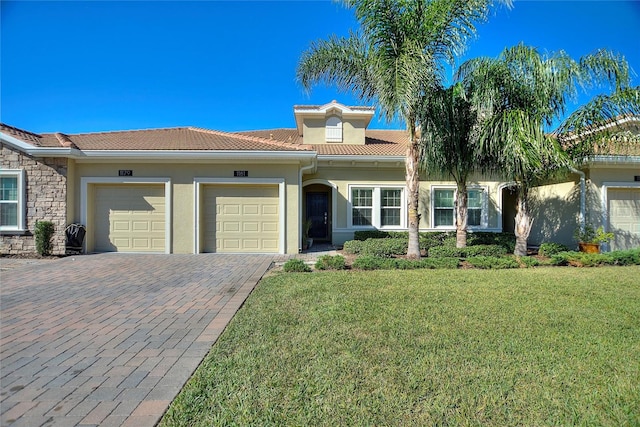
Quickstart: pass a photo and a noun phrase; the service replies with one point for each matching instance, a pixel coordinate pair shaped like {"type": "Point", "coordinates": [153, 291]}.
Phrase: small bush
{"type": "Point", "coordinates": [44, 232]}
{"type": "Point", "coordinates": [629, 257]}
{"type": "Point", "coordinates": [296, 266]}
{"type": "Point", "coordinates": [580, 259]}
{"type": "Point", "coordinates": [379, 263]}
{"type": "Point", "coordinates": [506, 240]}
{"type": "Point", "coordinates": [527, 261]}
{"type": "Point", "coordinates": [469, 251]}
{"type": "Point", "coordinates": [549, 248]}
{"type": "Point", "coordinates": [367, 262]}
{"type": "Point", "coordinates": [328, 262]}
{"type": "Point", "coordinates": [385, 248]}
{"type": "Point", "coordinates": [353, 247]}
{"type": "Point", "coordinates": [369, 234]}
{"type": "Point", "coordinates": [493, 262]}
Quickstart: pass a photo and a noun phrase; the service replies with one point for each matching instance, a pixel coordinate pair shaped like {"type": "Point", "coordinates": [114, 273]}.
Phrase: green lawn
{"type": "Point", "coordinates": [534, 347]}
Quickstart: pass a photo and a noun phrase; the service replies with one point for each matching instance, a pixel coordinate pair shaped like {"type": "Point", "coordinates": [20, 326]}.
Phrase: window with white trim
{"type": "Point", "coordinates": [333, 129]}
{"type": "Point", "coordinates": [443, 202]}
{"type": "Point", "coordinates": [390, 207]}
{"type": "Point", "coordinates": [362, 206]}
{"type": "Point", "coordinates": [11, 200]}
{"type": "Point", "coordinates": [379, 207]}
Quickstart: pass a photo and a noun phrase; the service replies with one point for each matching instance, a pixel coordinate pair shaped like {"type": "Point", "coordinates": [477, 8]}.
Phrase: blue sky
{"type": "Point", "coordinates": [80, 66]}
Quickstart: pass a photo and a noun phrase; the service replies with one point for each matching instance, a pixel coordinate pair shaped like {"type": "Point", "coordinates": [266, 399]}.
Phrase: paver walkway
{"type": "Point", "coordinates": [111, 339]}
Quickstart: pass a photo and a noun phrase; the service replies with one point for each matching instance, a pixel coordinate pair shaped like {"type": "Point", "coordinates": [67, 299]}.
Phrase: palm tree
{"type": "Point", "coordinates": [398, 56]}
{"type": "Point", "coordinates": [521, 94]}
{"type": "Point", "coordinates": [449, 124]}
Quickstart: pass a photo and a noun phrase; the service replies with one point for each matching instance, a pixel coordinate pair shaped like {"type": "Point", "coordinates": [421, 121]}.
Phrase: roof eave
{"type": "Point", "coordinates": [614, 159]}
{"type": "Point", "coordinates": [355, 157]}
{"type": "Point", "coordinates": [197, 155]}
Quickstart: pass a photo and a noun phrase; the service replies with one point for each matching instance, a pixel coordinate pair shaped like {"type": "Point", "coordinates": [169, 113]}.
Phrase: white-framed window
{"type": "Point", "coordinates": [376, 206]}
{"type": "Point", "coordinates": [443, 204]}
{"type": "Point", "coordinates": [333, 129]}
{"type": "Point", "coordinates": [12, 200]}
{"type": "Point", "coordinates": [362, 207]}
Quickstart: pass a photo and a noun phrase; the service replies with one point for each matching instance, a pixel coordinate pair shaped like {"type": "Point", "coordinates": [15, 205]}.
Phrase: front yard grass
{"type": "Point", "coordinates": [552, 346]}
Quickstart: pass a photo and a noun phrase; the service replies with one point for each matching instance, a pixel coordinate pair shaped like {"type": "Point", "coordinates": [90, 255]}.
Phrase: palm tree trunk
{"type": "Point", "coordinates": [413, 189]}
{"type": "Point", "coordinates": [461, 215]}
{"type": "Point", "coordinates": [523, 223]}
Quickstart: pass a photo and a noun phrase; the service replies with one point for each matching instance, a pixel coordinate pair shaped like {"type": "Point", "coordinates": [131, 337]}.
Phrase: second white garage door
{"type": "Point", "coordinates": [240, 218]}
{"type": "Point", "coordinates": [624, 217]}
{"type": "Point", "coordinates": [129, 218]}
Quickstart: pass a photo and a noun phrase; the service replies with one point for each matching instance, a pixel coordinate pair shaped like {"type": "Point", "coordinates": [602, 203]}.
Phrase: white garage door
{"type": "Point", "coordinates": [240, 218]}
{"type": "Point", "coordinates": [129, 218]}
{"type": "Point", "coordinates": [624, 217]}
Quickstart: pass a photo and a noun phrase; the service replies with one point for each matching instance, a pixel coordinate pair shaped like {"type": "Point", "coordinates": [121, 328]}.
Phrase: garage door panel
{"type": "Point", "coordinates": [129, 218]}
{"type": "Point", "coordinates": [250, 227]}
{"type": "Point", "coordinates": [269, 209]}
{"type": "Point", "coordinates": [240, 218]}
{"type": "Point", "coordinates": [624, 217]}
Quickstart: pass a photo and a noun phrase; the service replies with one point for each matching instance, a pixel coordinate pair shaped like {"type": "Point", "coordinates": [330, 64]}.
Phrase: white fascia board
{"type": "Point", "coordinates": [355, 158]}
{"type": "Point", "coordinates": [36, 151]}
{"type": "Point", "coordinates": [172, 155]}
{"type": "Point", "coordinates": [614, 159]}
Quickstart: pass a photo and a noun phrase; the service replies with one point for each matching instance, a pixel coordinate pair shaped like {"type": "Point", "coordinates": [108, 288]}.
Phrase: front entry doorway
{"type": "Point", "coordinates": [318, 214]}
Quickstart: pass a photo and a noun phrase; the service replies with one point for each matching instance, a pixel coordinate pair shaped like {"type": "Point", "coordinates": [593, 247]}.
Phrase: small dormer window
{"type": "Point", "coordinates": [334, 129]}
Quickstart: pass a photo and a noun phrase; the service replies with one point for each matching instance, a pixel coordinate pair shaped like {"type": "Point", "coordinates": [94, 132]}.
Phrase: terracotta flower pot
{"type": "Point", "coordinates": [589, 248]}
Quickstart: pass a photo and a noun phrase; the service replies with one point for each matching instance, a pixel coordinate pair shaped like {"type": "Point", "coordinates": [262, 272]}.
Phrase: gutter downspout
{"type": "Point", "coordinates": [583, 197]}
{"type": "Point", "coordinates": [302, 171]}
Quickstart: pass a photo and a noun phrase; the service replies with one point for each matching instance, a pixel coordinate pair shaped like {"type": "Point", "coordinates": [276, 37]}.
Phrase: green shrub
{"type": "Point", "coordinates": [550, 248]}
{"type": "Point", "coordinates": [369, 234]}
{"type": "Point", "coordinates": [368, 262]}
{"type": "Point", "coordinates": [328, 262]}
{"type": "Point", "coordinates": [506, 240]}
{"type": "Point", "coordinates": [353, 247]}
{"type": "Point", "coordinates": [629, 257]}
{"type": "Point", "coordinates": [581, 259]}
{"type": "Point", "coordinates": [493, 262]}
{"type": "Point", "coordinates": [44, 232]}
{"type": "Point", "coordinates": [385, 248]}
{"type": "Point", "coordinates": [469, 251]}
{"type": "Point", "coordinates": [527, 261]}
{"type": "Point", "coordinates": [296, 266]}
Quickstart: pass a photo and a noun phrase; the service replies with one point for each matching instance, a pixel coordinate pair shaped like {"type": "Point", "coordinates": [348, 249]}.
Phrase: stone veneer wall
{"type": "Point", "coordinates": [45, 197]}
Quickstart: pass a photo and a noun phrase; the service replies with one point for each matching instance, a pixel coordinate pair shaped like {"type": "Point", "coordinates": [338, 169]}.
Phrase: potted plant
{"type": "Point", "coordinates": [589, 238]}
{"type": "Point", "coordinates": [307, 241]}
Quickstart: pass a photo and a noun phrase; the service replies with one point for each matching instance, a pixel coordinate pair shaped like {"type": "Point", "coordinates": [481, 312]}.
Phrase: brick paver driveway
{"type": "Point", "coordinates": [110, 339]}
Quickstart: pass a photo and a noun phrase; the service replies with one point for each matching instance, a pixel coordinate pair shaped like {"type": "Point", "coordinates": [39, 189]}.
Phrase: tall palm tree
{"type": "Point", "coordinates": [521, 94]}
{"type": "Point", "coordinates": [449, 149]}
{"type": "Point", "coordinates": [398, 55]}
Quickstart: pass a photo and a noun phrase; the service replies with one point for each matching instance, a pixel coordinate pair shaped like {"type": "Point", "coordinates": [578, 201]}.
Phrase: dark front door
{"type": "Point", "coordinates": [318, 213]}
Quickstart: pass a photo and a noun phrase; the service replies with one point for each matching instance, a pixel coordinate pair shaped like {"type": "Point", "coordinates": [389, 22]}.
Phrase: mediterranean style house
{"type": "Point", "coordinates": [193, 190]}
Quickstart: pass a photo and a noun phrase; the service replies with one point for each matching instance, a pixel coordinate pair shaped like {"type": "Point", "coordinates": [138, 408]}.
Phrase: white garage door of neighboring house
{"type": "Point", "coordinates": [129, 218]}
{"type": "Point", "coordinates": [624, 217]}
{"type": "Point", "coordinates": [240, 218]}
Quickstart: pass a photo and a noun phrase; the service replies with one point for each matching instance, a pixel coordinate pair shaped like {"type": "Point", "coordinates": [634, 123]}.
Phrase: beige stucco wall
{"type": "Point", "coordinates": [353, 131]}
{"type": "Point", "coordinates": [555, 209]}
{"type": "Point", "coordinates": [182, 177]}
{"type": "Point", "coordinates": [370, 174]}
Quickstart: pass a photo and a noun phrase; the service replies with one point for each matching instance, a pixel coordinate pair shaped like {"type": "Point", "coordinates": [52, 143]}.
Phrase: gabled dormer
{"type": "Point", "coordinates": [332, 123]}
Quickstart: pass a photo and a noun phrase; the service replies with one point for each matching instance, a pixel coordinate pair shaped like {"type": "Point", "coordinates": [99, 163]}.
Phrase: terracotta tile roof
{"type": "Point", "coordinates": [183, 138]}
{"type": "Point", "coordinates": [22, 135]}
{"type": "Point", "coordinates": [377, 142]}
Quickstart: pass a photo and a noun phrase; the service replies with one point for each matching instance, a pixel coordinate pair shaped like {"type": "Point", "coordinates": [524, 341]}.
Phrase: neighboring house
{"type": "Point", "coordinates": [192, 190]}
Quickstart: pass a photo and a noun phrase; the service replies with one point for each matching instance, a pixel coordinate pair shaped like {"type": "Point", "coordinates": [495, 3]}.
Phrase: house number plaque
{"type": "Point", "coordinates": [125, 172]}
{"type": "Point", "coordinates": [241, 173]}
